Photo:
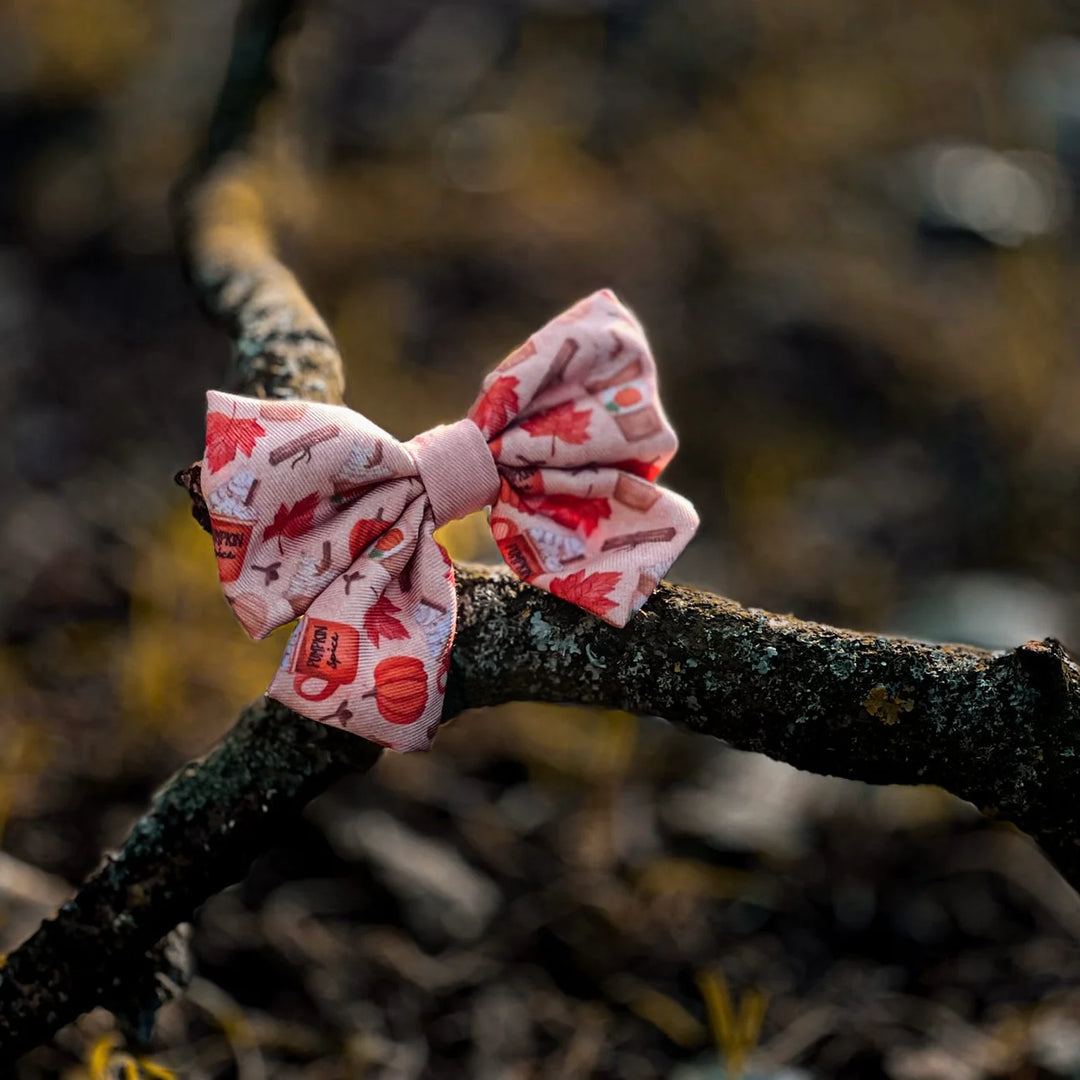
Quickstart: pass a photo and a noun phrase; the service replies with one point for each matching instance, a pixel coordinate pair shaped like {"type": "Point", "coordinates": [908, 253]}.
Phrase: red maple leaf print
{"type": "Point", "coordinates": [227, 434]}
{"type": "Point", "coordinates": [561, 422]}
{"type": "Point", "coordinates": [444, 670]}
{"type": "Point", "coordinates": [589, 592]}
{"type": "Point", "coordinates": [570, 511]}
{"type": "Point", "coordinates": [509, 494]}
{"type": "Point", "coordinates": [449, 563]}
{"type": "Point", "coordinates": [491, 412]}
{"type": "Point", "coordinates": [293, 521]}
{"type": "Point", "coordinates": [379, 622]}
{"type": "Point", "coordinates": [647, 470]}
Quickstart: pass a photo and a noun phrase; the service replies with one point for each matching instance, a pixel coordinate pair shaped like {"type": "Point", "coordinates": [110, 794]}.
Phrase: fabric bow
{"type": "Point", "coordinates": [320, 514]}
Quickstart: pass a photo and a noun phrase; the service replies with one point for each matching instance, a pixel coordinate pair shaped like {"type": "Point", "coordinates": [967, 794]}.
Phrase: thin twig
{"type": "Point", "coordinates": [1000, 730]}
{"type": "Point", "coordinates": [217, 815]}
{"type": "Point", "coordinates": [281, 346]}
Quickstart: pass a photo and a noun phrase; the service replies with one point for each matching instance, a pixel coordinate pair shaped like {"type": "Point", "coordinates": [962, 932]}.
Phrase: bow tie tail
{"type": "Point", "coordinates": [601, 540]}
{"type": "Point", "coordinates": [372, 650]}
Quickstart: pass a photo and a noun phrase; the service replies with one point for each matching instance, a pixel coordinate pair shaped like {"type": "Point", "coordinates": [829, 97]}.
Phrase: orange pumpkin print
{"type": "Point", "coordinates": [363, 532]}
{"type": "Point", "coordinates": [628, 395]}
{"type": "Point", "coordinates": [400, 689]}
{"type": "Point", "coordinates": [387, 542]}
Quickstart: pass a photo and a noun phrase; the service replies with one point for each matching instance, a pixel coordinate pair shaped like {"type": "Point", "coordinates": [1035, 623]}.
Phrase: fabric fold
{"type": "Point", "coordinates": [320, 515]}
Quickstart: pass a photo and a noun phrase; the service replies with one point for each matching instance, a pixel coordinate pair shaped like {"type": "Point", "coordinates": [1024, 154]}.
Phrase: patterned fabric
{"type": "Point", "coordinates": [319, 514]}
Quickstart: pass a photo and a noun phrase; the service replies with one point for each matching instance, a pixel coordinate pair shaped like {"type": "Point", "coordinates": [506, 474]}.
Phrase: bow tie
{"type": "Point", "coordinates": [320, 514]}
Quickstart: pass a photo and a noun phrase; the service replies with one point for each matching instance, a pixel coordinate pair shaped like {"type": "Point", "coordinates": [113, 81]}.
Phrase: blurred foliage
{"type": "Point", "coordinates": [851, 231]}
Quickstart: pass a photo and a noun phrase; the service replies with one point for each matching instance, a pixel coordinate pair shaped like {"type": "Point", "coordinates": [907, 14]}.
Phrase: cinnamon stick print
{"type": "Point", "coordinates": [271, 572]}
{"type": "Point", "coordinates": [567, 351]}
{"type": "Point", "coordinates": [634, 369]}
{"type": "Point", "coordinates": [299, 449]}
{"type": "Point", "coordinates": [342, 714]}
{"type": "Point", "coordinates": [629, 541]}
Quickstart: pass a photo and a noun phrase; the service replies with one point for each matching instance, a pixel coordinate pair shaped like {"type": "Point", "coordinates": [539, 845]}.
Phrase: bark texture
{"type": "Point", "coordinates": [1000, 730]}
{"type": "Point", "coordinates": [216, 815]}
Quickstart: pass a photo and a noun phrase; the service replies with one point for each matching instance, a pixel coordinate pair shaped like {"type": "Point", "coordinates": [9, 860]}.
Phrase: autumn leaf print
{"type": "Point", "coordinates": [589, 592]}
{"type": "Point", "coordinates": [225, 435]}
{"type": "Point", "coordinates": [647, 470]}
{"type": "Point", "coordinates": [447, 561]}
{"type": "Point", "coordinates": [444, 664]}
{"type": "Point", "coordinates": [293, 521]}
{"type": "Point", "coordinates": [570, 511]}
{"type": "Point", "coordinates": [492, 411]}
{"type": "Point", "coordinates": [508, 493]}
{"type": "Point", "coordinates": [561, 422]}
{"type": "Point", "coordinates": [379, 622]}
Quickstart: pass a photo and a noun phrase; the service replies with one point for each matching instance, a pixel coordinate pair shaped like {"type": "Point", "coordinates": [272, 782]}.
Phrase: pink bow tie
{"type": "Point", "coordinates": [318, 513]}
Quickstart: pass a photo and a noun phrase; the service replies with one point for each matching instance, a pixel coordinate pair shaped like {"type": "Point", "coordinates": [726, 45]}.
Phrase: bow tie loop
{"type": "Point", "coordinates": [319, 514]}
{"type": "Point", "coordinates": [456, 469]}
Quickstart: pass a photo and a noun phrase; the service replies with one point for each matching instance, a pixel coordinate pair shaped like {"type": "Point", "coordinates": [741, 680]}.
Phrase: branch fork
{"type": "Point", "coordinates": [1002, 730]}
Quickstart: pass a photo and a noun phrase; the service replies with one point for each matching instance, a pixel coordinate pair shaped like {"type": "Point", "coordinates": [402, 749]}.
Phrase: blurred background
{"type": "Point", "coordinates": [851, 230]}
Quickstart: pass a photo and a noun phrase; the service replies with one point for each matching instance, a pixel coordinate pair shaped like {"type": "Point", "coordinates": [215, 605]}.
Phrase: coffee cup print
{"type": "Point", "coordinates": [557, 550]}
{"type": "Point", "coordinates": [534, 551]}
{"type": "Point", "coordinates": [324, 658]}
{"type": "Point", "coordinates": [311, 576]}
{"type": "Point", "coordinates": [648, 578]}
{"type": "Point", "coordinates": [637, 494]}
{"type": "Point", "coordinates": [232, 520]}
{"type": "Point", "coordinates": [231, 539]}
{"type": "Point", "coordinates": [517, 549]}
{"type": "Point", "coordinates": [632, 407]}
{"type": "Point", "coordinates": [365, 465]}
{"type": "Point", "coordinates": [437, 623]}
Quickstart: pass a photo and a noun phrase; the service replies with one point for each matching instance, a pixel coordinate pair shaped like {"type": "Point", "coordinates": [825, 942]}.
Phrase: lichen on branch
{"type": "Point", "coordinates": [998, 729]}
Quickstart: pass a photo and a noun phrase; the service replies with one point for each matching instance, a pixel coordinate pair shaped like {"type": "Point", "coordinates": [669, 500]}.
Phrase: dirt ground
{"type": "Point", "coordinates": [850, 231]}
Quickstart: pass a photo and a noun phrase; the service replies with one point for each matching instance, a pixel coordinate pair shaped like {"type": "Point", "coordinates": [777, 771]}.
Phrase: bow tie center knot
{"type": "Point", "coordinates": [456, 468]}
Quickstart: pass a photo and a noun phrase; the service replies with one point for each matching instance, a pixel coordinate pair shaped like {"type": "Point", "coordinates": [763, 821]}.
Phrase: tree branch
{"type": "Point", "coordinates": [217, 815]}
{"type": "Point", "coordinates": [281, 346]}
{"type": "Point", "coordinates": [997, 729]}
{"type": "Point", "coordinates": [1000, 730]}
